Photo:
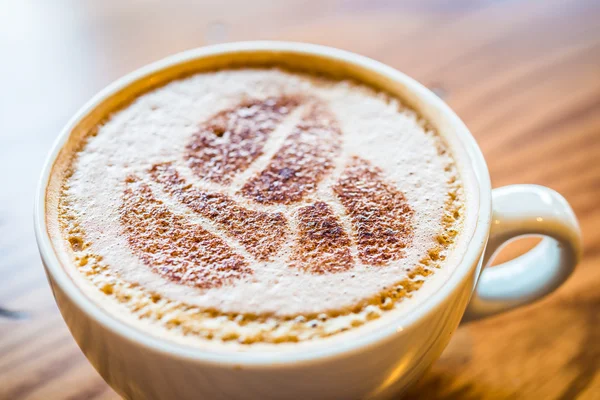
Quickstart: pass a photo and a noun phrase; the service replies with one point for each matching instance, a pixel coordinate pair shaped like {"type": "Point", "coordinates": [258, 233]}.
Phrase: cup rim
{"type": "Point", "coordinates": [472, 253]}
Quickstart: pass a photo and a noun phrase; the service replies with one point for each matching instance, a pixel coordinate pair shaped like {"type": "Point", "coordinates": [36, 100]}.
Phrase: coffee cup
{"type": "Point", "coordinates": [376, 364]}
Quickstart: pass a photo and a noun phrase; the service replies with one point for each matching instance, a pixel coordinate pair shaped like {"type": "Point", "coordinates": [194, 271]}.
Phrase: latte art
{"type": "Point", "coordinates": [225, 146]}
{"type": "Point", "coordinates": [257, 206]}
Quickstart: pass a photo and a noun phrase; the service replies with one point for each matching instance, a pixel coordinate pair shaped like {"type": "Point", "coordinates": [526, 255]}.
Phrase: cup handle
{"type": "Point", "coordinates": [520, 210]}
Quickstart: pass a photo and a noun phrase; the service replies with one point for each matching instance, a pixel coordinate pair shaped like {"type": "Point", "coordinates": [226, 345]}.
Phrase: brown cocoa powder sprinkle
{"type": "Point", "coordinates": [231, 140]}
{"type": "Point", "coordinates": [179, 251]}
{"type": "Point", "coordinates": [301, 163]}
{"type": "Point", "coordinates": [380, 214]}
{"type": "Point", "coordinates": [322, 246]}
{"type": "Point", "coordinates": [262, 234]}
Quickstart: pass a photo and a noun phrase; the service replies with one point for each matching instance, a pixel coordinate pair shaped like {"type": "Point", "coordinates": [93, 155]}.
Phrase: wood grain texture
{"type": "Point", "coordinates": [524, 76]}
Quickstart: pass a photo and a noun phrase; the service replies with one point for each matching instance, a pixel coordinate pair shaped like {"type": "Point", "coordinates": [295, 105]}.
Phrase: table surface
{"type": "Point", "coordinates": [524, 76]}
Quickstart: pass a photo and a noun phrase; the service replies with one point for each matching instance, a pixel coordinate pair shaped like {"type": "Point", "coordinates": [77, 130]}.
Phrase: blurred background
{"type": "Point", "coordinates": [523, 74]}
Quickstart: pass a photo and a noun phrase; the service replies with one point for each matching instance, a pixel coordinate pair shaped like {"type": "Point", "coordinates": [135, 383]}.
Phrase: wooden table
{"type": "Point", "coordinates": [524, 76]}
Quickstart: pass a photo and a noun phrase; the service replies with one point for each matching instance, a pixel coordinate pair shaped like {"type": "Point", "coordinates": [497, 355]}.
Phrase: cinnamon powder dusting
{"type": "Point", "coordinates": [261, 233]}
{"type": "Point", "coordinates": [301, 163]}
{"type": "Point", "coordinates": [379, 212]}
{"type": "Point", "coordinates": [322, 245]}
{"type": "Point", "coordinates": [231, 140]}
{"type": "Point", "coordinates": [170, 246]}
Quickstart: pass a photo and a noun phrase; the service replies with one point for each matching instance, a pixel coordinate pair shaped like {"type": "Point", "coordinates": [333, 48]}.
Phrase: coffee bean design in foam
{"type": "Point", "coordinates": [227, 145]}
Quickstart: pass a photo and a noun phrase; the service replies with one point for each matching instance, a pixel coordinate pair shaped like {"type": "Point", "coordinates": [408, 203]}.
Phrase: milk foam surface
{"type": "Point", "coordinates": [266, 292]}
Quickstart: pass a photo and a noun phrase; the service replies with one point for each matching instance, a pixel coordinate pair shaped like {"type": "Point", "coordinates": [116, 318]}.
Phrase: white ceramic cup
{"type": "Point", "coordinates": [374, 365]}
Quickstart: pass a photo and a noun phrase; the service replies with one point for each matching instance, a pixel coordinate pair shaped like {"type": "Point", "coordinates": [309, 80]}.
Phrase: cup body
{"type": "Point", "coordinates": [377, 365]}
{"type": "Point", "coordinates": [387, 367]}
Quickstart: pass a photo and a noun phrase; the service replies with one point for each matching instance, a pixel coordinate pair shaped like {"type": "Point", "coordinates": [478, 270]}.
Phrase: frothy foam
{"type": "Point", "coordinates": [260, 206]}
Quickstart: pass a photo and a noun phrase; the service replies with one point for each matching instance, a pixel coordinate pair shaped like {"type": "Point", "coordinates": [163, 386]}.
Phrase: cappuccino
{"type": "Point", "coordinates": [249, 208]}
